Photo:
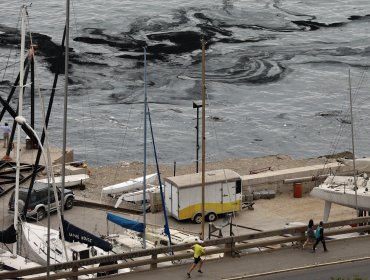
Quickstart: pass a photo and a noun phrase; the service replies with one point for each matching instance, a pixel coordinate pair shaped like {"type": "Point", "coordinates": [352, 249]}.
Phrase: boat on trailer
{"type": "Point", "coordinates": [130, 185]}
{"type": "Point", "coordinates": [69, 180]}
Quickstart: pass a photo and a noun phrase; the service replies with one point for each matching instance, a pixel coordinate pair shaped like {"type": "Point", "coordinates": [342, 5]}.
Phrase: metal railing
{"type": "Point", "coordinates": [229, 246]}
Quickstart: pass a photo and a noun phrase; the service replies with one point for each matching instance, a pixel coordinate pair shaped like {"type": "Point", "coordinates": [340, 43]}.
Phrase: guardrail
{"type": "Point", "coordinates": [230, 246]}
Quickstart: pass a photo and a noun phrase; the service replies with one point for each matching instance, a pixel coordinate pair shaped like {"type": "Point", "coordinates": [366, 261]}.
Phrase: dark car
{"type": "Point", "coordinates": [38, 202]}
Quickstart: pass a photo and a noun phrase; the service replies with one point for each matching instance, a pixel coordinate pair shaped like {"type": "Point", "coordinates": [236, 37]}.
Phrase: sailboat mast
{"type": "Point", "coordinates": [203, 132]}
{"type": "Point", "coordinates": [66, 62]}
{"type": "Point", "coordinates": [353, 139]}
{"type": "Point", "coordinates": [20, 113]}
{"type": "Point", "coordinates": [144, 175]}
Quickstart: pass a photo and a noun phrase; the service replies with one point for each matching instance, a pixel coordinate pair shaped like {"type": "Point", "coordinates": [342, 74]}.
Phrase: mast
{"type": "Point", "coordinates": [66, 62]}
{"type": "Point", "coordinates": [144, 175]}
{"type": "Point", "coordinates": [20, 112]}
{"type": "Point", "coordinates": [203, 132]}
{"type": "Point", "coordinates": [353, 139]}
{"type": "Point", "coordinates": [166, 226]}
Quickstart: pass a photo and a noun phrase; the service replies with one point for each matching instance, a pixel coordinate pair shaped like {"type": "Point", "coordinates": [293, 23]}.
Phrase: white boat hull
{"type": "Point", "coordinates": [340, 190]}
{"type": "Point", "coordinates": [36, 238]}
{"type": "Point", "coordinates": [138, 195]}
{"type": "Point", "coordinates": [69, 181]}
{"type": "Point", "coordinates": [129, 185]}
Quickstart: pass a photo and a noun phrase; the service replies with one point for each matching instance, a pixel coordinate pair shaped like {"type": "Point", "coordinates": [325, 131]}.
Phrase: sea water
{"type": "Point", "coordinates": [277, 76]}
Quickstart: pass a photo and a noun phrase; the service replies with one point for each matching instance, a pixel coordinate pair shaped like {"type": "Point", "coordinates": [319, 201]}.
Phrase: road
{"type": "Point", "coordinates": [342, 254]}
{"type": "Point", "coordinates": [228, 268]}
{"type": "Point", "coordinates": [344, 271]}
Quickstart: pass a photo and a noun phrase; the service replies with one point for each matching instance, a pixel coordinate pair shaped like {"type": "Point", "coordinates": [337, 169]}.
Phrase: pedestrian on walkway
{"type": "Point", "coordinates": [319, 237]}
{"type": "Point", "coordinates": [198, 252]}
{"type": "Point", "coordinates": [6, 130]}
{"type": "Point", "coordinates": [310, 234]}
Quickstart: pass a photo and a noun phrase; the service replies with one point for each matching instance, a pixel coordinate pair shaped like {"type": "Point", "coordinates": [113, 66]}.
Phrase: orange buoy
{"type": "Point", "coordinates": [297, 190]}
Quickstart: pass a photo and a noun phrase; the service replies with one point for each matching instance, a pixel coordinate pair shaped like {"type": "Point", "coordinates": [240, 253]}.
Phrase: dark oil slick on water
{"type": "Point", "coordinates": [276, 73]}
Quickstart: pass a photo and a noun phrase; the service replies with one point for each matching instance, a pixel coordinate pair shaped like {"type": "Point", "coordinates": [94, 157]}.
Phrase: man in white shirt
{"type": "Point", "coordinates": [6, 130]}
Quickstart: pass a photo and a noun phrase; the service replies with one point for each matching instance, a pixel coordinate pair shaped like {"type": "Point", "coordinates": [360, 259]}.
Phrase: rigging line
{"type": "Point", "coordinates": [12, 47]}
{"type": "Point", "coordinates": [342, 129]}
{"type": "Point", "coordinates": [356, 97]}
{"type": "Point", "coordinates": [7, 65]}
{"type": "Point", "coordinates": [88, 100]}
{"type": "Point", "coordinates": [130, 112]}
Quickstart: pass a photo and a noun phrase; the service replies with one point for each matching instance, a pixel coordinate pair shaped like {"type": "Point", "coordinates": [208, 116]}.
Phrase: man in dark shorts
{"type": "Point", "coordinates": [198, 252]}
{"type": "Point", "coordinates": [6, 129]}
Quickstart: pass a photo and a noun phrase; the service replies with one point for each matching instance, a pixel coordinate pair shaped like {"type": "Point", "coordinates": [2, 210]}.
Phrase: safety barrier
{"type": "Point", "coordinates": [230, 246]}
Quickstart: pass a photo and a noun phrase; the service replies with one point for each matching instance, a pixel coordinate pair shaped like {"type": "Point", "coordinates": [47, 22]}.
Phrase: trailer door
{"type": "Point", "coordinates": [228, 196]}
{"type": "Point", "coordinates": [175, 201]}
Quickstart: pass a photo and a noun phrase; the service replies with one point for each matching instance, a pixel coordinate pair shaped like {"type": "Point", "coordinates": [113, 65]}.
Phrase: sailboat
{"type": "Point", "coordinates": [12, 260]}
{"type": "Point", "coordinates": [350, 191]}
{"type": "Point", "coordinates": [135, 241]}
{"type": "Point", "coordinates": [69, 181]}
{"type": "Point", "coordinates": [69, 242]}
{"type": "Point", "coordinates": [127, 186]}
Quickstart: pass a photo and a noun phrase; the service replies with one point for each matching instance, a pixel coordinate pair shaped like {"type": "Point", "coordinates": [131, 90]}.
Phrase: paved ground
{"type": "Point", "coordinates": [265, 262]}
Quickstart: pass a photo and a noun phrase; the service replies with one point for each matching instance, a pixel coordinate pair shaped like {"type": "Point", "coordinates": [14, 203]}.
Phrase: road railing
{"type": "Point", "coordinates": [150, 258]}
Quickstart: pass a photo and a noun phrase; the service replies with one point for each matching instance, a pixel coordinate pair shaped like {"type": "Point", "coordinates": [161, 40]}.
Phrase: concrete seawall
{"type": "Point", "coordinates": [274, 180]}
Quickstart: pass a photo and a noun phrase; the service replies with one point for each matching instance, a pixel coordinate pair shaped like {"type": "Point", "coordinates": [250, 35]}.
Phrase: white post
{"type": "Point", "coordinates": [20, 106]}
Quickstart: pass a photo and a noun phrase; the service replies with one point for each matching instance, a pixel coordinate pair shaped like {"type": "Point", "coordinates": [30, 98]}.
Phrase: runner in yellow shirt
{"type": "Point", "coordinates": [198, 252]}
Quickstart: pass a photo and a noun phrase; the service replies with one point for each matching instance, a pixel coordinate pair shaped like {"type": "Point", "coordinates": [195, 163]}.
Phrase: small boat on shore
{"type": "Point", "coordinates": [69, 180]}
{"type": "Point", "coordinates": [137, 196]}
{"type": "Point", "coordinates": [129, 185]}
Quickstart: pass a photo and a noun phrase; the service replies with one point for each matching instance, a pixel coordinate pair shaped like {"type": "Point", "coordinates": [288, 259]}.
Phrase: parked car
{"type": "Point", "coordinates": [38, 202]}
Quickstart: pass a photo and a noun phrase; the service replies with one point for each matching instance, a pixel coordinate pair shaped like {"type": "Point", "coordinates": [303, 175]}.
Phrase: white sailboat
{"type": "Point", "coordinates": [138, 196]}
{"type": "Point", "coordinates": [341, 190]}
{"type": "Point", "coordinates": [349, 191]}
{"type": "Point", "coordinates": [69, 180]}
{"type": "Point", "coordinates": [69, 242]}
{"type": "Point", "coordinates": [130, 185]}
{"type": "Point", "coordinates": [11, 260]}
{"type": "Point", "coordinates": [37, 237]}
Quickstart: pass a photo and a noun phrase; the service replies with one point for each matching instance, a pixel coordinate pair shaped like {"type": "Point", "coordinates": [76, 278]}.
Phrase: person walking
{"type": "Point", "coordinates": [310, 234]}
{"type": "Point", "coordinates": [198, 252]}
{"type": "Point", "coordinates": [6, 130]}
{"type": "Point", "coordinates": [319, 237]}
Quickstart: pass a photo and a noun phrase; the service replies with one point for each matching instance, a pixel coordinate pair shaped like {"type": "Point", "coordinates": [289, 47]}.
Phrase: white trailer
{"type": "Point", "coordinates": [223, 194]}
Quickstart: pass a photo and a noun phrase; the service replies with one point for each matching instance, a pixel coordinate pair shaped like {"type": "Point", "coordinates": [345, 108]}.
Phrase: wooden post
{"type": "Point", "coordinates": [154, 265]}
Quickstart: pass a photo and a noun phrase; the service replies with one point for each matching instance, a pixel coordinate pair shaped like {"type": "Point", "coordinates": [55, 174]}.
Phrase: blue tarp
{"type": "Point", "coordinates": [125, 223]}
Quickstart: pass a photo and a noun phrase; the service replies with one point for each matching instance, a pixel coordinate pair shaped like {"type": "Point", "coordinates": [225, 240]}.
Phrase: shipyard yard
{"type": "Point", "coordinates": [281, 211]}
{"type": "Point", "coordinates": [267, 214]}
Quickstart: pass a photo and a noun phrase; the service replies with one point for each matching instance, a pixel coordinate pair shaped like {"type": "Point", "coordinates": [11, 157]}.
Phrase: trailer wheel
{"type": "Point", "coordinates": [211, 217]}
{"type": "Point", "coordinates": [197, 219]}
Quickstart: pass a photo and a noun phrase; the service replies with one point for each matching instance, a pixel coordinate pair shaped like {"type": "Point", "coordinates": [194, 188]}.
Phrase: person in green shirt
{"type": "Point", "coordinates": [198, 252]}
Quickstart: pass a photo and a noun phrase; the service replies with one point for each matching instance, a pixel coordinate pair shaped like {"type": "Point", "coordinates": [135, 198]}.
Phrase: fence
{"type": "Point", "coordinates": [229, 246]}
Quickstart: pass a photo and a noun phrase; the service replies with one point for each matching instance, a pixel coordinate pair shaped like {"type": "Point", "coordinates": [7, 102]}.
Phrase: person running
{"type": "Point", "coordinates": [6, 130]}
{"type": "Point", "coordinates": [198, 252]}
{"type": "Point", "coordinates": [310, 234]}
{"type": "Point", "coordinates": [319, 237]}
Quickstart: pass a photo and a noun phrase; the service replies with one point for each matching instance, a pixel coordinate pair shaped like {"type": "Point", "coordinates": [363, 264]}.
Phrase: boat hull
{"type": "Point", "coordinates": [340, 190]}
{"type": "Point", "coordinates": [129, 185]}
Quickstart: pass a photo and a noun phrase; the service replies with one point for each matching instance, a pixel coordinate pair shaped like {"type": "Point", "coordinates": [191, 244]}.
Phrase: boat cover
{"type": "Point", "coordinates": [8, 236]}
{"type": "Point", "coordinates": [73, 233]}
{"type": "Point", "coordinates": [126, 223]}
